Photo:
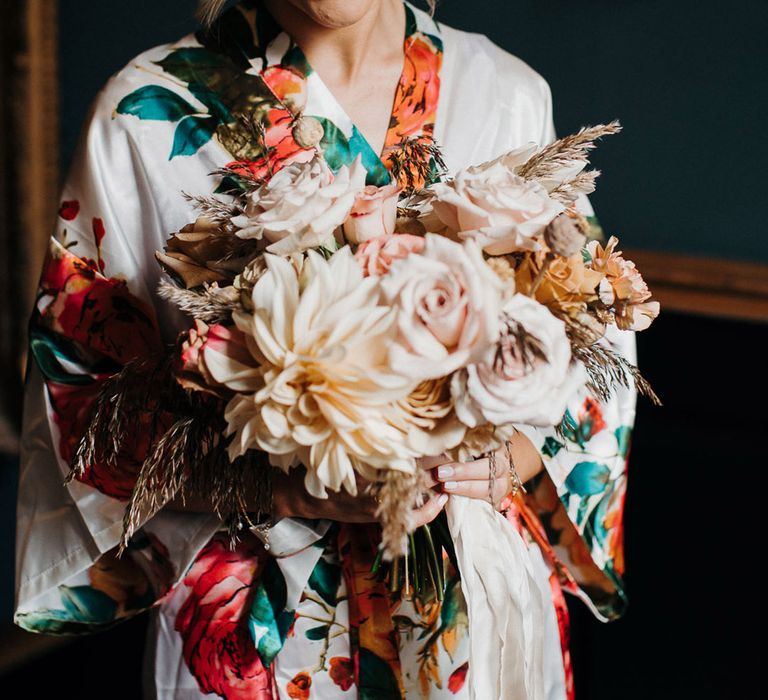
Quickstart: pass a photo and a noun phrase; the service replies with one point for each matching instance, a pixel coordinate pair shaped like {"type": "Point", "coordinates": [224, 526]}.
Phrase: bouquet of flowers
{"type": "Point", "coordinates": [352, 329]}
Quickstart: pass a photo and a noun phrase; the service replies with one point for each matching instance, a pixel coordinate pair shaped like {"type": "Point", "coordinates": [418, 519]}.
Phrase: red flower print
{"type": "Point", "coordinates": [98, 234]}
{"type": "Point", "coordinates": [218, 649]}
{"type": "Point", "coordinates": [298, 686]}
{"type": "Point", "coordinates": [69, 209]}
{"type": "Point", "coordinates": [72, 406]}
{"type": "Point", "coordinates": [592, 414]}
{"type": "Point", "coordinates": [342, 672]}
{"type": "Point", "coordinates": [457, 678]}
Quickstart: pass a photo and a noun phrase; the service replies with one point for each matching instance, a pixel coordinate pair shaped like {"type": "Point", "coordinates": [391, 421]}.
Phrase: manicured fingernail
{"type": "Point", "coordinates": [451, 485]}
{"type": "Point", "coordinates": [442, 499]}
{"type": "Point", "coordinates": [444, 472]}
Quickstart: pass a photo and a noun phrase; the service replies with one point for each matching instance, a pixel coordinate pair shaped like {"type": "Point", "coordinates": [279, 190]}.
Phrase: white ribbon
{"type": "Point", "coordinates": [504, 603]}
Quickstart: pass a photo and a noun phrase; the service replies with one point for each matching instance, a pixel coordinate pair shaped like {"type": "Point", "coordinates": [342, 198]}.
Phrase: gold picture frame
{"type": "Point", "coordinates": [29, 183]}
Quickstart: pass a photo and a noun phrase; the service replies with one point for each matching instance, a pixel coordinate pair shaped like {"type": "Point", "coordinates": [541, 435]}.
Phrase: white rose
{"type": "Point", "coordinates": [301, 206]}
{"type": "Point", "coordinates": [448, 303]}
{"type": "Point", "coordinates": [503, 388]}
{"type": "Point", "coordinates": [490, 204]}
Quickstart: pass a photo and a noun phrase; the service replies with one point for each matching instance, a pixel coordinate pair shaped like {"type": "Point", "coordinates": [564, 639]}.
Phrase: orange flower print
{"type": "Point", "coordinates": [418, 90]}
{"type": "Point", "coordinates": [298, 686]}
{"type": "Point", "coordinates": [342, 672]}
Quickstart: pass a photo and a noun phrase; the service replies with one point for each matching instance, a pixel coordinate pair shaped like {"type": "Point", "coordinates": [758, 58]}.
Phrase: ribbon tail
{"type": "Point", "coordinates": [504, 603]}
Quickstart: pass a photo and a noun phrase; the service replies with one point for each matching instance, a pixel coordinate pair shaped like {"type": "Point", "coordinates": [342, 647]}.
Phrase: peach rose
{"type": "Point", "coordinates": [373, 214]}
{"type": "Point", "coordinates": [376, 255]}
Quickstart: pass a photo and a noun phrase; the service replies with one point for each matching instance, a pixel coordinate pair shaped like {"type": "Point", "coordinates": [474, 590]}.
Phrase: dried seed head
{"type": "Point", "coordinates": [563, 236]}
{"type": "Point", "coordinates": [307, 132]}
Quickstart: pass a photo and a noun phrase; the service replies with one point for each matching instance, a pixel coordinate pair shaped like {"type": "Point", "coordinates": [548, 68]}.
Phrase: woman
{"type": "Point", "coordinates": [305, 617]}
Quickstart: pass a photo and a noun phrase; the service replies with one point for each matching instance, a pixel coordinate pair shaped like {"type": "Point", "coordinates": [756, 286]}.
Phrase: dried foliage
{"type": "Point", "coordinates": [394, 495]}
{"type": "Point", "coordinates": [146, 391]}
{"type": "Point", "coordinates": [564, 152]}
{"type": "Point", "coordinates": [411, 161]}
{"type": "Point", "coordinates": [569, 191]}
{"type": "Point", "coordinates": [211, 303]}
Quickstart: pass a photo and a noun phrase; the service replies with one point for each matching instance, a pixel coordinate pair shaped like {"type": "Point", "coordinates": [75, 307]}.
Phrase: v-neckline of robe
{"type": "Point", "coordinates": [414, 104]}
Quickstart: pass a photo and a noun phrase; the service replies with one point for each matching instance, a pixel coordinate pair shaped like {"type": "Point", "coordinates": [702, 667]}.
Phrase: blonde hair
{"type": "Point", "coordinates": [209, 10]}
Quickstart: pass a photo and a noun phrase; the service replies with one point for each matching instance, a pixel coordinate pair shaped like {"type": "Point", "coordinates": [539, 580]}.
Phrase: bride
{"type": "Point", "coordinates": [302, 618]}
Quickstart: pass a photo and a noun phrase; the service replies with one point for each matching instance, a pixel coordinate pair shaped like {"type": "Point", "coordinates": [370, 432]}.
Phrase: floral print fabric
{"type": "Point", "coordinates": [311, 621]}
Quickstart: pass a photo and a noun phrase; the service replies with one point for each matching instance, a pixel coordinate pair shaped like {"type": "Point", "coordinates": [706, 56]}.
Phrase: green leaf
{"type": "Point", "coordinates": [269, 621]}
{"type": "Point", "coordinates": [587, 478]}
{"type": "Point", "coordinates": [212, 101]}
{"type": "Point", "coordinates": [624, 438]}
{"type": "Point", "coordinates": [318, 633]}
{"type": "Point", "coordinates": [551, 446]}
{"type": "Point", "coordinates": [191, 134]}
{"type": "Point", "coordinates": [195, 64]}
{"type": "Point", "coordinates": [155, 102]}
{"type": "Point", "coordinates": [377, 682]}
{"type": "Point", "coordinates": [325, 580]}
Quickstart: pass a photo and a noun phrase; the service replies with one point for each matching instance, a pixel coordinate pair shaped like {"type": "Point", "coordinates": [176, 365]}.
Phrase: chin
{"type": "Point", "coordinates": [334, 14]}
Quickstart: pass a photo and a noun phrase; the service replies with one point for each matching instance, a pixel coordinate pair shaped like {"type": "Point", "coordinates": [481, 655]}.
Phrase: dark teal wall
{"type": "Point", "coordinates": [686, 79]}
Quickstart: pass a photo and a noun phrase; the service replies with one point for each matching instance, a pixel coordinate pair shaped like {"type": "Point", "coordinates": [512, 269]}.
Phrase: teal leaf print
{"type": "Point", "coordinates": [338, 150]}
{"type": "Point", "coordinates": [551, 446]}
{"type": "Point", "coordinates": [191, 134]}
{"type": "Point", "coordinates": [587, 478]}
{"type": "Point", "coordinates": [377, 682]}
{"type": "Point", "coordinates": [86, 604]}
{"type": "Point", "coordinates": [318, 633]}
{"type": "Point", "coordinates": [325, 580]}
{"type": "Point", "coordinates": [569, 426]}
{"type": "Point", "coordinates": [623, 437]}
{"type": "Point", "coordinates": [269, 621]}
{"type": "Point", "coordinates": [155, 102]}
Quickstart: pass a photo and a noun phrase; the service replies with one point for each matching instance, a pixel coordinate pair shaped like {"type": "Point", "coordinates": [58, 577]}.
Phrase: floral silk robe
{"type": "Point", "coordinates": [306, 619]}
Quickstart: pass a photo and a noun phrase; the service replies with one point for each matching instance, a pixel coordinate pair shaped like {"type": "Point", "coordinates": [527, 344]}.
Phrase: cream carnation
{"type": "Point", "coordinates": [510, 386]}
{"type": "Point", "coordinates": [301, 206]}
{"type": "Point", "coordinates": [490, 204]}
{"type": "Point", "coordinates": [320, 390]}
{"type": "Point", "coordinates": [447, 301]}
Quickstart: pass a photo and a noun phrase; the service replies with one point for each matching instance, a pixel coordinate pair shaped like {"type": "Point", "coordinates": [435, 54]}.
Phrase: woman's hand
{"type": "Point", "coordinates": [472, 479]}
{"type": "Point", "coordinates": [291, 499]}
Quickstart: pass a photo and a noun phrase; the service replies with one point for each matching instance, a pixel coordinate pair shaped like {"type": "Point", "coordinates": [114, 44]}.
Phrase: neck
{"type": "Point", "coordinates": [339, 42]}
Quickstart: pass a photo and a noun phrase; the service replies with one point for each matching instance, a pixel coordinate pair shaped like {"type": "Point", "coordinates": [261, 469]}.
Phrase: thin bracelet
{"type": "Point", "coordinates": [491, 476]}
{"type": "Point", "coordinates": [517, 484]}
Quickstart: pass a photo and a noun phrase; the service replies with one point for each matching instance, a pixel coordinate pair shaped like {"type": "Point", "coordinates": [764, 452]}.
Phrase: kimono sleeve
{"type": "Point", "coordinates": [579, 498]}
{"type": "Point", "coordinates": [94, 311]}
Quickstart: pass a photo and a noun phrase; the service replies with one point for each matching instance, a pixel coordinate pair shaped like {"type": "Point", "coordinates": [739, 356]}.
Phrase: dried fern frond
{"type": "Point", "coordinates": [565, 151]}
{"type": "Point", "coordinates": [209, 304]}
{"type": "Point", "coordinates": [569, 191]}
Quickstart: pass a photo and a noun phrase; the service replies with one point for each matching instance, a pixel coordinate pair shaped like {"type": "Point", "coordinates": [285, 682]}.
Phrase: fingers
{"type": "Point", "coordinates": [479, 489]}
{"type": "Point", "coordinates": [431, 461]}
{"type": "Point", "coordinates": [462, 471]}
{"type": "Point", "coordinates": [430, 510]}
